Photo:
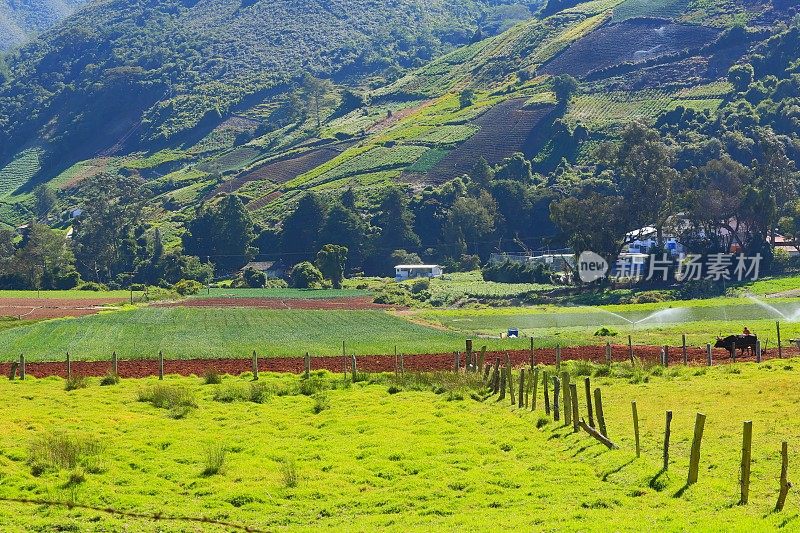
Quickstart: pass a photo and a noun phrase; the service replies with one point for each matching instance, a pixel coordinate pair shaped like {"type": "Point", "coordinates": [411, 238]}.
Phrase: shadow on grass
{"type": "Point", "coordinates": [659, 481]}
{"type": "Point", "coordinates": [617, 469]}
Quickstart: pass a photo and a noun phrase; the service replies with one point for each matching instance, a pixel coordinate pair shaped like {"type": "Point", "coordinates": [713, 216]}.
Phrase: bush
{"type": "Point", "coordinates": [76, 382]}
{"type": "Point", "coordinates": [515, 272]}
{"type": "Point", "coordinates": [177, 399]}
{"type": "Point", "coordinates": [605, 332]}
{"type": "Point", "coordinates": [255, 279]}
{"type": "Point", "coordinates": [419, 285]}
{"type": "Point", "coordinates": [212, 377]}
{"type": "Point", "coordinates": [289, 473]}
{"type": "Point", "coordinates": [54, 451]}
{"type": "Point", "coordinates": [214, 460]}
{"type": "Point", "coordinates": [92, 286]}
{"type": "Point", "coordinates": [321, 402]}
{"type": "Point", "coordinates": [276, 284]}
{"type": "Point", "coordinates": [306, 276]}
{"type": "Point", "coordinates": [187, 287]}
{"type": "Point", "coordinates": [109, 379]}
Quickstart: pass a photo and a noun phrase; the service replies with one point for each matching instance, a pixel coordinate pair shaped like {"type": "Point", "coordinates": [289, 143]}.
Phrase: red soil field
{"type": "Point", "coordinates": [348, 303]}
{"type": "Point", "coordinates": [41, 308]}
{"type": "Point", "coordinates": [376, 363]}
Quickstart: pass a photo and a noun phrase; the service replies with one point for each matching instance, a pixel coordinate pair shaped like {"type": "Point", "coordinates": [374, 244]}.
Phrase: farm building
{"type": "Point", "coordinates": [271, 269]}
{"type": "Point", "coordinates": [403, 272]}
{"type": "Point", "coordinates": [643, 240]}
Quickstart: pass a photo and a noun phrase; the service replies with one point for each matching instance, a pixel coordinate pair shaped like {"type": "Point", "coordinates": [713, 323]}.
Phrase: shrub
{"type": "Point", "coordinates": [420, 285]}
{"type": "Point", "coordinates": [187, 287]}
{"type": "Point", "coordinates": [54, 451]}
{"type": "Point", "coordinates": [212, 377]}
{"type": "Point", "coordinates": [92, 286]}
{"type": "Point", "coordinates": [289, 473]}
{"type": "Point", "coordinates": [311, 386]}
{"type": "Point", "coordinates": [306, 276]}
{"type": "Point", "coordinates": [214, 460]}
{"type": "Point", "coordinates": [321, 402]}
{"type": "Point", "coordinates": [109, 379]}
{"type": "Point", "coordinates": [605, 332]}
{"type": "Point", "coordinates": [177, 399]}
{"type": "Point", "coordinates": [516, 272]}
{"type": "Point", "coordinates": [75, 382]}
{"type": "Point", "coordinates": [255, 279]}
{"type": "Point", "coordinates": [276, 284]}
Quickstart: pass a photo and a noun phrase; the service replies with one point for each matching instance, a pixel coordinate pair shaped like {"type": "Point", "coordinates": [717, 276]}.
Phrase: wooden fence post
{"type": "Point", "coordinates": [535, 386]}
{"type": "Point", "coordinates": [12, 373]}
{"type": "Point", "coordinates": [556, 410]}
{"type": "Point", "coordinates": [661, 357]}
{"type": "Point", "coordinates": [694, 458]}
{"type": "Point", "coordinates": [630, 349]}
{"type": "Point", "coordinates": [599, 436]}
{"type": "Point", "coordinates": [114, 363]}
{"type": "Point", "coordinates": [307, 365]}
{"type": "Point", "coordinates": [402, 364]}
{"type": "Point", "coordinates": [533, 354]}
{"type": "Point", "coordinates": [747, 443]}
{"type": "Point", "coordinates": [667, 429]}
{"type": "Point", "coordinates": [354, 368]}
{"type": "Point", "coordinates": [22, 367]}
{"type": "Point", "coordinates": [758, 351]}
{"type": "Point", "coordinates": [666, 356]}
{"type": "Point", "coordinates": [780, 347]}
{"type": "Point", "coordinates": [635, 427]}
{"type": "Point", "coordinates": [521, 399]}
{"type": "Point", "coordinates": [456, 361]}
{"type": "Point", "coordinates": [487, 369]}
{"type": "Point", "coordinates": [510, 374]}
{"type": "Point", "coordinates": [482, 357]}
{"type": "Point", "coordinates": [160, 364]}
{"type": "Point", "coordinates": [588, 389]}
{"type": "Point", "coordinates": [598, 408]}
{"type": "Point", "coordinates": [567, 398]}
{"type": "Point", "coordinates": [558, 357]}
{"type": "Point", "coordinates": [784, 476]}
{"type": "Point", "coordinates": [470, 363]}
{"type": "Point", "coordinates": [69, 367]}
{"type": "Point", "coordinates": [496, 376]}
{"type": "Point", "coordinates": [573, 393]}
{"type": "Point", "coordinates": [503, 379]}
{"type": "Point", "coordinates": [608, 352]}
{"type": "Point", "coordinates": [255, 366]}
{"type": "Point", "coordinates": [685, 355]}
{"type": "Point", "coordinates": [708, 355]}
{"type": "Point", "coordinates": [546, 394]}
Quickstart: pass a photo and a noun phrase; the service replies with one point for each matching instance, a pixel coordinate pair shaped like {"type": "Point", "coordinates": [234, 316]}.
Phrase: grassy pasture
{"type": "Point", "coordinates": [410, 461]}
{"type": "Point", "coordinates": [283, 294]}
{"type": "Point", "coordinates": [188, 333]}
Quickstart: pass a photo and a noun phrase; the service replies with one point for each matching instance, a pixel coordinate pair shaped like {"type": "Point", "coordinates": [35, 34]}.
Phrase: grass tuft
{"type": "Point", "coordinates": [214, 460]}
{"type": "Point", "coordinates": [56, 450]}
{"type": "Point", "coordinates": [179, 400]}
{"type": "Point", "coordinates": [109, 379]}
{"type": "Point", "coordinates": [212, 377]}
{"type": "Point", "coordinates": [289, 473]}
{"type": "Point", "coordinates": [76, 382]}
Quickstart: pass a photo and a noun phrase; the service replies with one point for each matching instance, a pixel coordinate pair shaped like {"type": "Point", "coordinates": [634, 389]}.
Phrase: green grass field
{"type": "Point", "coordinates": [284, 294]}
{"type": "Point", "coordinates": [359, 458]}
{"type": "Point", "coordinates": [188, 333]}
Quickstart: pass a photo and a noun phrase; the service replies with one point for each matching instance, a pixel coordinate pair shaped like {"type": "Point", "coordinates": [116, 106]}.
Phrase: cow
{"type": "Point", "coordinates": [743, 342]}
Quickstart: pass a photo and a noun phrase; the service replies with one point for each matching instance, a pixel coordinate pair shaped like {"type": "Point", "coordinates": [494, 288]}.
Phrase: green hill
{"type": "Point", "coordinates": [21, 20]}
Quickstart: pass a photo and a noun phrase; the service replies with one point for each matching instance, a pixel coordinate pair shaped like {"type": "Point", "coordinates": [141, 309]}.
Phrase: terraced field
{"type": "Point", "coordinates": [632, 41]}
{"type": "Point", "coordinates": [506, 128]}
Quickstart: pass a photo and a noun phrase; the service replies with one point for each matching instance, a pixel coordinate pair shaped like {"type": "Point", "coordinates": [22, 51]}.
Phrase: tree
{"type": "Point", "coordinates": [304, 275]}
{"type": "Point", "coordinates": [44, 200]}
{"type": "Point", "coordinates": [402, 257]}
{"type": "Point", "coordinates": [221, 233]}
{"type": "Point", "coordinates": [564, 86]}
{"type": "Point", "coordinates": [255, 279]}
{"type": "Point", "coordinates": [469, 220]}
{"type": "Point", "coordinates": [741, 76]}
{"type": "Point", "coordinates": [45, 260]}
{"type": "Point", "coordinates": [482, 173]}
{"type": "Point", "coordinates": [466, 98]}
{"type": "Point", "coordinates": [331, 260]}
{"type": "Point", "coordinates": [516, 168]}
{"type": "Point", "coordinates": [315, 91]}
{"type": "Point", "coordinates": [343, 226]}
{"type": "Point", "coordinates": [103, 235]}
{"type": "Point", "coordinates": [396, 223]}
{"type": "Point", "coordinates": [301, 229]}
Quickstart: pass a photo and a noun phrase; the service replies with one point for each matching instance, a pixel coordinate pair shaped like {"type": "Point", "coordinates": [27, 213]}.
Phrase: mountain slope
{"type": "Point", "coordinates": [166, 68]}
{"type": "Point", "coordinates": [21, 19]}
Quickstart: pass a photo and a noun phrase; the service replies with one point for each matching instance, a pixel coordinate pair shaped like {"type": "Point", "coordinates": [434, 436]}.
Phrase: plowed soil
{"type": "Point", "coordinates": [42, 308]}
{"type": "Point", "coordinates": [353, 303]}
{"type": "Point", "coordinates": [378, 363]}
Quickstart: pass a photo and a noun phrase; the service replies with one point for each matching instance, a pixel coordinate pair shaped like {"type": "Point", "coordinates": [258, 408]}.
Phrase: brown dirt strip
{"type": "Point", "coordinates": [42, 308]}
{"type": "Point", "coordinates": [348, 303]}
{"type": "Point", "coordinates": [374, 363]}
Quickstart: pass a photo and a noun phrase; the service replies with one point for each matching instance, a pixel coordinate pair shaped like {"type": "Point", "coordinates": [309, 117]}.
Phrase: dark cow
{"type": "Point", "coordinates": [742, 342]}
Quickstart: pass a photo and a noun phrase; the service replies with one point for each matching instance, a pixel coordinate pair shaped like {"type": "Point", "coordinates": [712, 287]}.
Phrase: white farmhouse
{"type": "Point", "coordinates": [403, 272]}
